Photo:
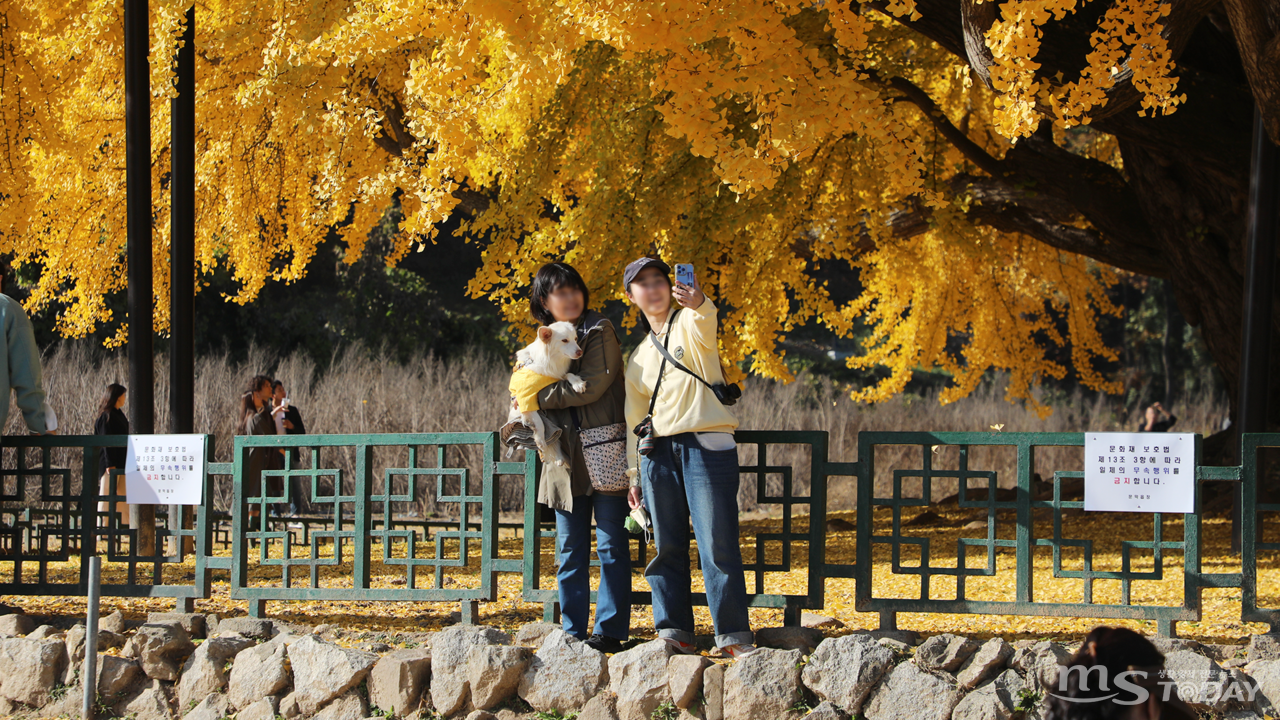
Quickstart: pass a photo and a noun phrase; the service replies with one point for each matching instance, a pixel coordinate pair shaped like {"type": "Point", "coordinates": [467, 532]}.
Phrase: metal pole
{"type": "Point", "coordinates": [1259, 295]}
{"type": "Point", "coordinates": [137, 114]}
{"type": "Point", "coordinates": [182, 254]}
{"type": "Point", "coordinates": [89, 678]}
{"type": "Point", "coordinates": [182, 250]}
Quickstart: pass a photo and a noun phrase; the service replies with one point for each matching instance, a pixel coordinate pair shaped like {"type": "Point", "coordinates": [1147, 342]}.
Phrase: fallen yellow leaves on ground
{"type": "Point", "coordinates": [1107, 536]}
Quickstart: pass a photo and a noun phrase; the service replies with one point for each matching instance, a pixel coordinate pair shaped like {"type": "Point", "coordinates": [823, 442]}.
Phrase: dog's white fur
{"type": "Point", "coordinates": [550, 354]}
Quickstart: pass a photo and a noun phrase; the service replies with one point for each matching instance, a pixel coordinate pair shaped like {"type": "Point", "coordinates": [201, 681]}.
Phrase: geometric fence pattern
{"type": "Point", "coordinates": [357, 487]}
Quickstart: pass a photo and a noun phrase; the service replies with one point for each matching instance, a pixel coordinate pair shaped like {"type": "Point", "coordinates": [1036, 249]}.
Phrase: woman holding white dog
{"type": "Point", "coordinates": [593, 439]}
{"type": "Point", "coordinates": [683, 458]}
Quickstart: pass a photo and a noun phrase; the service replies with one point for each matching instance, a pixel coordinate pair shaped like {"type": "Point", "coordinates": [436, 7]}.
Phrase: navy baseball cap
{"type": "Point", "coordinates": [636, 266]}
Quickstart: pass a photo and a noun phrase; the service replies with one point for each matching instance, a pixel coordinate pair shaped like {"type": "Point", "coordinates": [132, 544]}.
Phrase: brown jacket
{"type": "Point", "coordinates": [601, 403]}
{"type": "Point", "coordinates": [261, 458]}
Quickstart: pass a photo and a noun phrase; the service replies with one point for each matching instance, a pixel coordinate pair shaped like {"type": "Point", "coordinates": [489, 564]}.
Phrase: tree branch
{"type": "Point", "coordinates": [1008, 208]}
{"type": "Point", "coordinates": [960, 26]}
{"type": "Point", "coordinates": [975, 19]}
{"type": "Point", "coordinates": [970, 149]}
{"type": "Point", "coordinates": [1043, 190]}
{"type": "Point", "coordinates": [1050, 220]}
{"type": "Point", "coordinates": [1094, 189]}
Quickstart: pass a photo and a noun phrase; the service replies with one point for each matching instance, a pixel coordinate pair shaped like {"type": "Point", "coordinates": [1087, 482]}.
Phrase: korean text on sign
{"type": "Point", "coordinates": [165, 469]}
{"type": "Point", "coordinates": [1140, 472]}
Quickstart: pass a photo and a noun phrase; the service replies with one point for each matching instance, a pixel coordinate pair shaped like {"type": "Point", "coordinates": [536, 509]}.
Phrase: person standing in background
{"type": "Point", "coordinates": [20, 366]}
{"type": "Point", "coordinates": [290, 423]}
{"type": "Point", "coordinates": [112, 421]}
{"type": "Point", "coordinates": [255, 419]}
{"type": "Point", "coordinates": [1157, 419]}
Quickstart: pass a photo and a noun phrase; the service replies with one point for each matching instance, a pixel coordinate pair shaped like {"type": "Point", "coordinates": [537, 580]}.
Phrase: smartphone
{"type": "Point", "coordinates": [684, 274]}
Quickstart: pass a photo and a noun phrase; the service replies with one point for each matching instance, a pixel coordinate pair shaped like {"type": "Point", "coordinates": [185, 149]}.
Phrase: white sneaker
{"type": "Point", "coordinates": [682, 647]}
{"type": "Point", "coordinates": [740, 651]}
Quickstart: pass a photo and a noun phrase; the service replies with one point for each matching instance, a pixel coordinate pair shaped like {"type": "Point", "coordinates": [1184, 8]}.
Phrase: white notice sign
{"type": "Point", "coordinates": [165, 470]}
{"type": "Point", "coordinates": [1140, 472]}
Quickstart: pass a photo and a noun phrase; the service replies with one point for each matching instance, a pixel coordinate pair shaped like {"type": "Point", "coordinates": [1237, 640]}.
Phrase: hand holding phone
{"type": "Point", "coordinates": [686, 291]}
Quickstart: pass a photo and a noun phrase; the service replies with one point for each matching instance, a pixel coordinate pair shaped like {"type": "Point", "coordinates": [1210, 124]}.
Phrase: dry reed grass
{"type": "Point", "coordinates": [363, 392]}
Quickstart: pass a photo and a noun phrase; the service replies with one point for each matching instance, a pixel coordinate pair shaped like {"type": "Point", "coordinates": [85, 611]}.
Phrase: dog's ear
{"type": "Point", "coordinates": [544, 334]}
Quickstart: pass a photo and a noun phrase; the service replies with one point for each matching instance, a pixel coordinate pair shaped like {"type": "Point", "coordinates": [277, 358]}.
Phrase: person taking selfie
{"type": "Point", "coordinates": [682, 457]}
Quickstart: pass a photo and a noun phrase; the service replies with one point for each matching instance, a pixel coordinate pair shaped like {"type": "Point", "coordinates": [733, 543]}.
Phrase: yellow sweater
{"type": "Point", "coordinates": [525, 386]}
{"type": "Point", "coordinates": [684, 404]}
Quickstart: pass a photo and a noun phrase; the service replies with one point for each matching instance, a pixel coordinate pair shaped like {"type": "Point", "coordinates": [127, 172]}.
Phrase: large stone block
{"type": "Point", "coordinates": [450, 651]}
{"type": "Point", "coordinates": [258, 672]}
{"type": "Point", "coordinates": [564, 674]}
{"type": "Point", "coordinates": [192, 623]}
{"type": "Point", "coordinates": [494, 673]}
{"type": "Point", "coordinates": [322, 671]}
{"type": "Point", "coordinates": [989, 660]}
{"type": "Point", "coordinates": [205, 671]}
{"type": "Point", "coordinates": [29, 669]}
{"type": "Point", "coordinates": [638, 677]}
{"type": "Point", "coordinates": [913, 693]}
{"type": "Point", "coordinates": [945, 652]}
{"type": "Point", "coordinates": [843, 670]}
{"type": "Point", "coordinates": [763, 686]}
{"type": "Point", "coordinates": [160, 649]}
{"type": "Point", "coordinates": [684, 678]}
{"type": "Point", "coordinates": [398, 679]}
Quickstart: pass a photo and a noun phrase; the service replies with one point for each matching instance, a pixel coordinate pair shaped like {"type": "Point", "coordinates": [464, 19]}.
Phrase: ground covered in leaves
{"type": "Point", "coordinates": [940, 531]}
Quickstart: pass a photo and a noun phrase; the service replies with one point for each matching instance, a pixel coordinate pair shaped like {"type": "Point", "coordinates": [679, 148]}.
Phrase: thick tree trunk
{"type": "Point", "coordinates": [1190, 174]}
{"type": "Point", "coordinates": [1178, 210]}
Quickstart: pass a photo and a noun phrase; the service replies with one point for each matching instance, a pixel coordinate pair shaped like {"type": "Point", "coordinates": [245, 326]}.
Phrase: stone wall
{"type": "Point", "coordinates": [200, 667]}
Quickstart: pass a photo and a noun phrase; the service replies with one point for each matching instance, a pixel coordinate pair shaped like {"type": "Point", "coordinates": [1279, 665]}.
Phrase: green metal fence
{"type": "Point", "coordinates": [364, 487]}
{"type": "Point", "coordinates": [813, 538]}
{"type": "Point", "coordinates": [1252, 529]}
{"type": "Point", "coordinates": [1018, 512]}
{"type": "Point", "coordinates": [46, 522]}
{"type": "Point", "coordinates": [360, 503]}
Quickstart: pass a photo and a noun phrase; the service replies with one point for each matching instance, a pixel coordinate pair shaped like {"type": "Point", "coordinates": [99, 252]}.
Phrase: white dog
{"type": "Point", "coordinates": [544, 362]}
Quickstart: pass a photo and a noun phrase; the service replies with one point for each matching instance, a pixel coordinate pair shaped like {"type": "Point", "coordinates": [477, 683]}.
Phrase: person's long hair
{"type": "Point", "coordinates": [1116, 649]}
{"type": "Point", "coordinates": [114, 391]}
{"type": "Point", "coordinates": [248, 406]}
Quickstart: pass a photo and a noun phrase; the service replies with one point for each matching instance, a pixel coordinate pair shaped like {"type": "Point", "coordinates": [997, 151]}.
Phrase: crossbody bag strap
{"type": "Point", "coordinates": [667, 358]}
{"type": "Point", "coordinates": [653, 399]}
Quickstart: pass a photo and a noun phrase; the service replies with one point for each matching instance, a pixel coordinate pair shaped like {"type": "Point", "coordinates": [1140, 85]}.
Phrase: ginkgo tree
{"type": "Point", "coordinates": [985, 168]}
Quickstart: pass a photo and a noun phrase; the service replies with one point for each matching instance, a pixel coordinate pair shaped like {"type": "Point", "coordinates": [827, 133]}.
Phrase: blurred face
{"type": "Point", "coordinates": [279, 393]}
{"type": "Point", "coordinates": [565, 303]}
{"type": "Point", "coordinates": [121, 400]}
{"type": "Point", "coordinates": [263, 394]}
{"type": "Point", "coordinates": [651, 292]}
{"type": "Point", "coordinates": [1151, 414]}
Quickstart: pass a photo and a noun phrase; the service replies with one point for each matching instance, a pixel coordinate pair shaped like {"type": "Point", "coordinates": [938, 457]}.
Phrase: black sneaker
{"type": "Point", "coordinates": [604, 644]}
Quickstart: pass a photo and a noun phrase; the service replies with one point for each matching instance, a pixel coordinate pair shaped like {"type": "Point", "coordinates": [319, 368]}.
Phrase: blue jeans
{"type": "Point", "coordinates": [683, 481]}
{"type": "Point", "coordinates": [573, 551]}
